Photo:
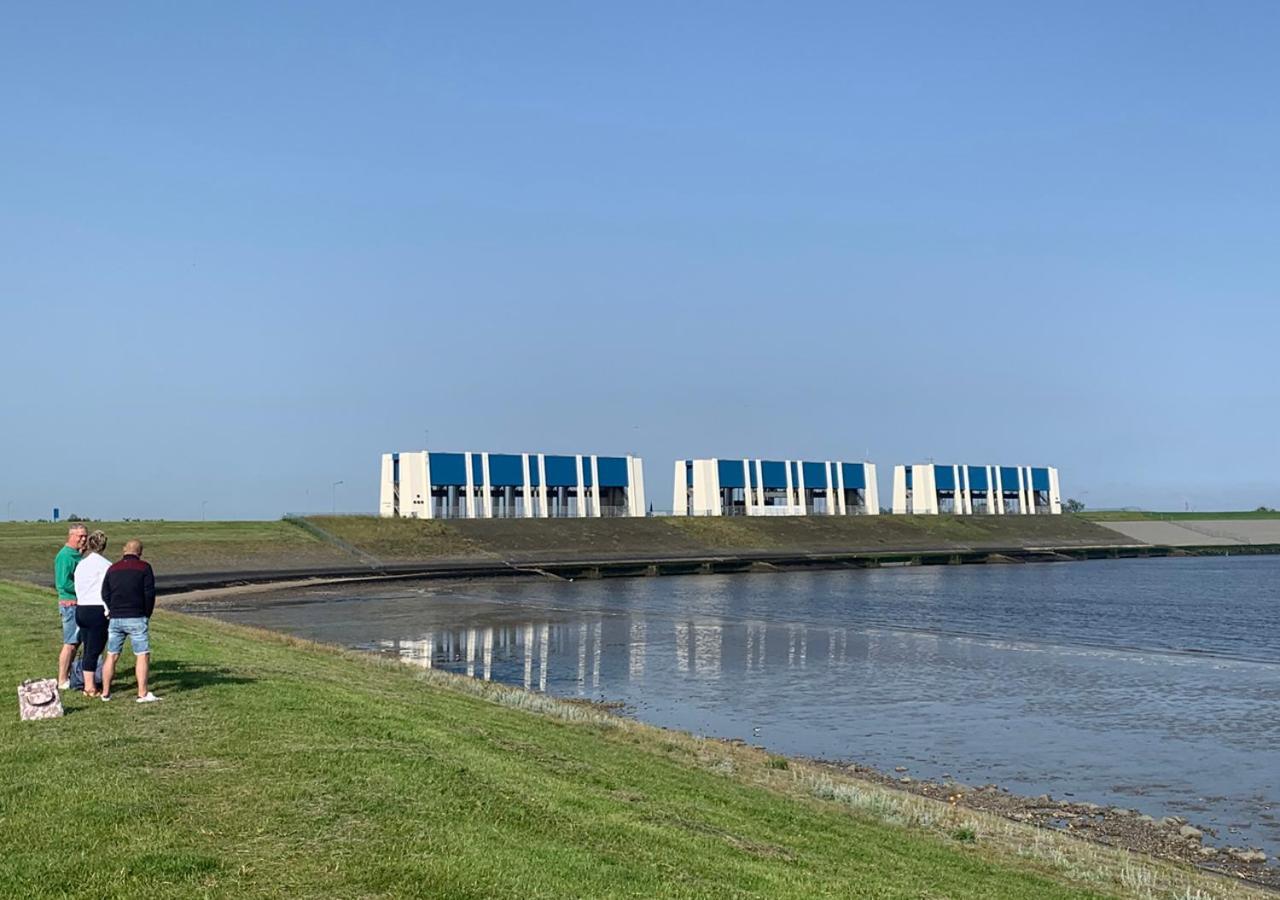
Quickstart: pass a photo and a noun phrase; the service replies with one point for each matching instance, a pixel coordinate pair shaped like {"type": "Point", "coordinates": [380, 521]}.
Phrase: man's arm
{"type": "Point", "coordinates": [149, 590]}
{"type": "Point", "coordinates": [106, 592]}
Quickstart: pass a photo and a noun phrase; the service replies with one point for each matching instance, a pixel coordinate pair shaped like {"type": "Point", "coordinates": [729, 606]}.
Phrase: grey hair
{"type": "Point", "coordinates": [96, 542]}
{"type": "Point", "coordinates": [77, 526]}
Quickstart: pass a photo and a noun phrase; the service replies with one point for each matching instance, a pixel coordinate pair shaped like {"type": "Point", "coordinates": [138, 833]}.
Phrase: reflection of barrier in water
{"type": "Point", "coordinates": [698, 649]}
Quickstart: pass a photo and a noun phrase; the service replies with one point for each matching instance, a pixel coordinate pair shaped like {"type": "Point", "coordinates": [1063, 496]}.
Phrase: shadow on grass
{"type": "Point", "coordinates": [175, 676]}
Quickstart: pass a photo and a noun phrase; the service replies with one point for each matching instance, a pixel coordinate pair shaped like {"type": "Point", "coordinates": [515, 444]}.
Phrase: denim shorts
{"type": "Point", "coordinates": [70, 630]}
{"type": "Point", "coordinates": [136, 629]}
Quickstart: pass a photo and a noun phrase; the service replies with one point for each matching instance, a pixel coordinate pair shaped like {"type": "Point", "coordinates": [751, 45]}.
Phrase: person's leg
{"type": "Point", "coordinates": [115, 643]}
{"type": "Point", "coordinates": [108, 672]}
{"type": "Point", "coordinates": [142, 667]}
{"type": "Point", "coordinates": [94, 628]}
{"type": "Point", "coordinates": [64, 663]}
{"type": "Point", "coordinates": [70, 641]}
{"type": "Point", "coordinates": [140, 638]}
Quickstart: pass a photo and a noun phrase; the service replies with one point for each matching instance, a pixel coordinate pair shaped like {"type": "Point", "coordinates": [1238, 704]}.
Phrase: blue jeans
{"type": "Point", "coordinates": [135, 629]}
{"type": "Point", "coordinates": [70, 631]}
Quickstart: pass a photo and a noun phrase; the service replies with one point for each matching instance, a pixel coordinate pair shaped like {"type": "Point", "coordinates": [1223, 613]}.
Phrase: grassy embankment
{"type": "Point", "coordinates": [402, 540]}
{"type": "Point", "coordinates": [27, 548]}
{"type": "Point", "coordinates": [277, 768]}
{"type": "Point", "coordinates": [1120, 515]}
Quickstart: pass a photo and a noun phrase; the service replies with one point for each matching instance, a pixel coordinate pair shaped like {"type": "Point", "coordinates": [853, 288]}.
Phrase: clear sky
{"type": "Point", "coordinates": [247, 247]}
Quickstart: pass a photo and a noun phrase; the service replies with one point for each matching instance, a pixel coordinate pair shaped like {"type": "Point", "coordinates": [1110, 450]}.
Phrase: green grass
{"type": "Point", "coordinates": [274, 768]}
{"type": "Point", "coordinates": [27, 548]}
{"type": "Point", "coordinates": [1120, 515]}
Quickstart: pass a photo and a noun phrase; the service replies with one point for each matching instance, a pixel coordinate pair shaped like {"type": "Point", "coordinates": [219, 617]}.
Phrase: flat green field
{"type": "Point", "coordinates": [27, 548]}
{"type": "Point", "coordinates": [274, 768]}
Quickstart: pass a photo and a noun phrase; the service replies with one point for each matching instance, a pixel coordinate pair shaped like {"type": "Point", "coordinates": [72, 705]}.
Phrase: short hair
{"type": "Point", "coordinates": [77, 526]}
{"type": "Point", "coordinates": [96, 542]}
{"type": "Point", "coordinates": [133, 547]}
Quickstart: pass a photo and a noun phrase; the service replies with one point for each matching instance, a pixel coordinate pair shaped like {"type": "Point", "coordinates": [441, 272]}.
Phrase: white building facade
{"type": "Point", "coordinates": [765, 487]}
{"type": "Point", "coordinates": [930, 489]}
{"type": "Point", "coordinates": [471, 485]}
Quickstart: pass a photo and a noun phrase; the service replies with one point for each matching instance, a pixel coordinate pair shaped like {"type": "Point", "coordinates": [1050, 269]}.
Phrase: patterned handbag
{"type": "Point", "coordinates": [38, 699]}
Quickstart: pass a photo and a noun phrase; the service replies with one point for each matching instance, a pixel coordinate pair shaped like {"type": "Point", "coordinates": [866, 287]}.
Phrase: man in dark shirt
{"type": "Point", "coordinates": [129, 593]}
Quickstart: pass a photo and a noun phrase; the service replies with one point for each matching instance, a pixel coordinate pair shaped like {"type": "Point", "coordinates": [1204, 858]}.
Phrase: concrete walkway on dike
{"type": "Point", "coordinates": [1200, 532]}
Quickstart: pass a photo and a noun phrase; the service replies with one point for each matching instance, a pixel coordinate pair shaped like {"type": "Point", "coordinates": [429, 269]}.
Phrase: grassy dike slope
{"type": "Point", "coordinates": [275, 768]}
{"type": "Point", "coordinates": [406, 540]}
{"type": "Point", "coordinates": [27, 548]}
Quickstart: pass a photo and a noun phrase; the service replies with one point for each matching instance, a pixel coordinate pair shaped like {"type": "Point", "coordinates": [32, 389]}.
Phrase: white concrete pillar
{"type": "Point", "coordinates": [991, 495]}
{"type": "Point", "coordinates": [791, 497]}
{"type": "Point", "coordinates": [706, 488]}
{"type": "Point", "coordinates": [1055, 493]}
{"type": "Point", "coordinates": [1022, 490]}
{"type": "Point", "coordinates": [387, 492]}
{"type": "Point", "coordinates": [635, 487]}
{"type": "Point", "coordinates": [759, 482]}
{"type": "Point", "coordinates": [924, 490]}
{"type": "Point", "coordinates": [528, 486]}
{"type": "Point", "coordinates": [842, 508]}
{"type": "Point", "coordinates": [749, 506]}
{"type": "Point", "coordinates": [800, 501]}
{"type": "Point", "coordinates": [595, 485]}
{"type": "Point", "coordinates": [486, 488]}
{"type": "Point", "coordinates": [544, 508]}
{"type": "Point", "coordinates": [582, 500]}
{"type": "Point", "coordinates": [872, 490]}
{"type": "Point", "coordinates": [680, 495]}
{"type": "Point", "coordinates": [470, 498]}
{"type": "Point", "coordinates": [900, 505]}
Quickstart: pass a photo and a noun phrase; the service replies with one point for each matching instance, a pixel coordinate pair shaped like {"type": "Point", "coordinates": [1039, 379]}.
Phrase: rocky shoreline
{"type": "Point", "coordinates": [1171, 838]}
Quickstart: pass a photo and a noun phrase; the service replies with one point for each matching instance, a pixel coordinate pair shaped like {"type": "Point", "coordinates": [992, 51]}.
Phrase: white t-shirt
{"type": "Point", "coordinates": [89, 574]}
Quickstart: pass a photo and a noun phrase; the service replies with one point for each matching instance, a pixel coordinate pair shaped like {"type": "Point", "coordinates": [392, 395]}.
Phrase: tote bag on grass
{"type": "Point", "coordinates": [38, 699]}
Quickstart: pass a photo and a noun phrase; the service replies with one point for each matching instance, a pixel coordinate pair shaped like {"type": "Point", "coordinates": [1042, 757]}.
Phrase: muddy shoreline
{"type": "Point", "coordinates": [1171, 838]}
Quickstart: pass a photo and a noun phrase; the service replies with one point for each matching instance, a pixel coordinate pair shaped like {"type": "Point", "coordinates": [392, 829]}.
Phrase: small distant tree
{"type": "Point", "coordinates": [1073, 506]}
{"type": "Point", "coordinates": [1264, 509]}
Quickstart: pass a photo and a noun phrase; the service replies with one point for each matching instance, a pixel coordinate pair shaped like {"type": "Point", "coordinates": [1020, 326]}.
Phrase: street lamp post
{"type": "Point", "coordinates": [334, 488]}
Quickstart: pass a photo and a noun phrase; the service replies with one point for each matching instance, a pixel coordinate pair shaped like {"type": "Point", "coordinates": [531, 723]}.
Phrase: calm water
{"type": "Point", "coordinates": [1153, 684]}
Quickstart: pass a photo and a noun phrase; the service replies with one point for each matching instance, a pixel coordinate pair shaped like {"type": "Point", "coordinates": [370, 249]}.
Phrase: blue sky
{"type": "Point", "coordinates": [249, 247]}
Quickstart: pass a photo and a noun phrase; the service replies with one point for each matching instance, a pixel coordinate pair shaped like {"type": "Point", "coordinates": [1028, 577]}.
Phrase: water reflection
{"type": "Point", "coordinates": [580, 654]}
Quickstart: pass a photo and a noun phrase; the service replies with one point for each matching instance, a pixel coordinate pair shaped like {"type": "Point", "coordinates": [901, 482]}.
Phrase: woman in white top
{"type": "Point", "coordinates": [91, 613]}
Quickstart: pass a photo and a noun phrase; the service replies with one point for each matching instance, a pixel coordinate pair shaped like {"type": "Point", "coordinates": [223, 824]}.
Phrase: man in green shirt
{"type": "Point", "coordinates": [64, 571]}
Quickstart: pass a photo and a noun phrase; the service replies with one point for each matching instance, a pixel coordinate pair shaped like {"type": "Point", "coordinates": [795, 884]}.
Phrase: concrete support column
{"type": "Point", "coordinates": [680, 495]}
{"type": "Point", "coordinates": [528, 486]}
{"type": "Point", "coordinates": [595, 486]}
{"type": "Point", "coordinates": [749, 507]}
{"type": "Point", "coordinates": [1055, 493]}
{"type": "Point", "coordinates": [582, 498]}
{"type": "Point", "coordinates": [545, 506]}
{"type": "Point", "coordinates": [842, 506]}
{"type": "Point", "coordinates": [900, 505]}
{"type": "Point", "coordinates": [872, 491]}
{"type": "Point", "coordinates": [387, 491]}
{"type": "Point", "coordinates": [759, 482]}
{"type": "Point", "coordinates": [486, 488]}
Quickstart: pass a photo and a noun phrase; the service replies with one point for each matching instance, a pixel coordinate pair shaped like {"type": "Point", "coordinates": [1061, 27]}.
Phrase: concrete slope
{"type": "Point", "coordinates": [1200, 532]}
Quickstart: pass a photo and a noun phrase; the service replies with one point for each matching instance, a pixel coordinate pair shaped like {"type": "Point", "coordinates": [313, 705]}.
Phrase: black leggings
{"type": "Point", "coordinates": [93, 634]}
